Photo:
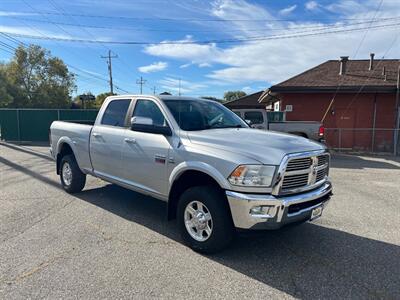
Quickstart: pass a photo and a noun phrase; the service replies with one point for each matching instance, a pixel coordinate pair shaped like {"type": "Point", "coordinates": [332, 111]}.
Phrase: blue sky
{"type": "Point", "coordinates": [304, 34]}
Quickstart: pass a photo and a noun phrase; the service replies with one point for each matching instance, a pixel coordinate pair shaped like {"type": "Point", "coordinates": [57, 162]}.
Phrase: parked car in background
{"type": "Point", "coordinates": [258, 118]}
{"type": "Point", "coordinates": [215, 173]}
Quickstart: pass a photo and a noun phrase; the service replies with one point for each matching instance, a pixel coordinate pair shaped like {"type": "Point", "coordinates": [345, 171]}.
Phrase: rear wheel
{"type": "Point", "coordinates": [204, 219]}
{"type": "Point", "coordinates": [72, 178]}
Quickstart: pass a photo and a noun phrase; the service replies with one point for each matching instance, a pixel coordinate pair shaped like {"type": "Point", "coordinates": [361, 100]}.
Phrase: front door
{"type": "Point", "coordinates": [107, 139]}
{"type": "Point", "coordinates": [145, 155]}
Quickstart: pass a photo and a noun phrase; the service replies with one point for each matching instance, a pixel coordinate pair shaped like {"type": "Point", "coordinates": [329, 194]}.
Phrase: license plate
{"type": "Point", "coordinates": [316, 212]}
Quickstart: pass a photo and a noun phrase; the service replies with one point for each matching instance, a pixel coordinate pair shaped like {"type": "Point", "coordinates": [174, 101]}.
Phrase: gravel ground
{"type": "Point", "coordinates": [108, 242]}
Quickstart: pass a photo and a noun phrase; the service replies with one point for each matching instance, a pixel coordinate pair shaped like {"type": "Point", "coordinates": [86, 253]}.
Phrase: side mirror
{"type": "Point", "coordinates": [141, 121]}
{"type": "Point", "coordinates": [144, 124]}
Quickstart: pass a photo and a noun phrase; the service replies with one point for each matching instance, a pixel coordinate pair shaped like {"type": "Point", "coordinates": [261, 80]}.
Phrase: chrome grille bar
{"type": "Point", "coordinates": [304, 173]}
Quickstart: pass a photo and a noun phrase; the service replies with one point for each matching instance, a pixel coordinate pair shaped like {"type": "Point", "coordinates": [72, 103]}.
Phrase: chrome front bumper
{"type": "Point", "coordinates": [275, 211]}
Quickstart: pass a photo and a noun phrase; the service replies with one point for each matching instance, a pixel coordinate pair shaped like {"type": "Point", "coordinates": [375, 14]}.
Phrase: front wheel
{"type": "Point", "coordinates": [72, 178]}
{"type": "Point", "coordinates": [204, 219]}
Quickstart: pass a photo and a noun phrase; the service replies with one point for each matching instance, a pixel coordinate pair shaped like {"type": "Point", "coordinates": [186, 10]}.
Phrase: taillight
{"type": "Point", "coordinates": [321, 131]}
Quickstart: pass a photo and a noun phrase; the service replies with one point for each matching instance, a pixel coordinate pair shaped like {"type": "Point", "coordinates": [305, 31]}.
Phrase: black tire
{"type": "Point", "coordinates": [215, 201]}
{"type": "Point", "coordinates": [77, 183]}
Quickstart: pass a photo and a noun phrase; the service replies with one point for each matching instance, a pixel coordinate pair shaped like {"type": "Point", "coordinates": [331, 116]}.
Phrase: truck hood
{"type": "Point", "coordinates": [267, 147]}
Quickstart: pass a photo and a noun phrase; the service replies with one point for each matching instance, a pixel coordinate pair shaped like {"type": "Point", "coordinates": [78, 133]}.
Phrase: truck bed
{"type": "Point", "coordinates": [79, 135]}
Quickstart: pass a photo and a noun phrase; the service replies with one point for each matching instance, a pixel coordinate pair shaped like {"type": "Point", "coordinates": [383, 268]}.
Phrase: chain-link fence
{"type": "Point", "coordinates": [362, 139]}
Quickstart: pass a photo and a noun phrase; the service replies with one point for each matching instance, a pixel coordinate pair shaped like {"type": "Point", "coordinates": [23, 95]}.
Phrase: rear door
{"type": "Point", "coordinates": [107, 139]}
{"type": "Point", "coordinates": [146, 155]}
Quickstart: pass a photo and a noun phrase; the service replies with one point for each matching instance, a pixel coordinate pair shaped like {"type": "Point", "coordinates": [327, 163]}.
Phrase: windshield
{"type": "Point", "coordinates": [200, 115]}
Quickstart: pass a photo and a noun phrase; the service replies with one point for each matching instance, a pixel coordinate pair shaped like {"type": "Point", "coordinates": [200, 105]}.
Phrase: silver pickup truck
{"type": "Point", "coordinates": [216, 173]}
{"type": "Point", "coordinates": [258, 118]}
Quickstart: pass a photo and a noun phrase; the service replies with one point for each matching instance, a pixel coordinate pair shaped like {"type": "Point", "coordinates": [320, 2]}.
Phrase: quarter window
{"type": "Point", "coordinates": [115, 113]}
{"type": "Point", "coordinates": [256, 117]}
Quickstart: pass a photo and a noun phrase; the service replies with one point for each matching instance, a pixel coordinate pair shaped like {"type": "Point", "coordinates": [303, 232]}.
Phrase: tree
{"type": "Point", "coordinates": [233, 95]}
{"type": "Point", "coordinates": [37, 79]}
{"type": "Point", "coordinates": [5, 97]}
{"type": "Point", "coordinates": [101, 97]}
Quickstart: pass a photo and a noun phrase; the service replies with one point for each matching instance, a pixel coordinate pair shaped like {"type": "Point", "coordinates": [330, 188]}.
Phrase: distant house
{"type": "Point", "coordinates": [356, 99]}
{"type": "Point", "coordinates": [248, 101]}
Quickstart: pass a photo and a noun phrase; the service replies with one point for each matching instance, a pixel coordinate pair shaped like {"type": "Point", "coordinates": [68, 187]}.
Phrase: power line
{"type": "Point", "coordinates": [5, 45]}
{"type": "Point", "coordinates": [109, 64]}
{"type": "Point", "coordinates": [6, 50]}
{"type": "Point", "coordinates": [85, 73]}
{"type": "Point", "coordinates": [62, 29]}
{"type": "Point", "coordinates": [189, 42]}
{"type": "Point", "coordinates": [44, 36]}
{"type": "Point", "coordinates": [321, 26]}
{"type": "Point", "coordinates": [355, 55]}
{"type": "Point", "coordinates": [11, 39]}
{"type": "Point", "coordinates": [64, 13]}
{"type": "Point", "coordinates": [179, 19]}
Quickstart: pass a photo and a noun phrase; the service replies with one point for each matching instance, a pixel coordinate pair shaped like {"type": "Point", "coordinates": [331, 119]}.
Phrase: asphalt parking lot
{"type": "Point", "coordinates": [108, 242]}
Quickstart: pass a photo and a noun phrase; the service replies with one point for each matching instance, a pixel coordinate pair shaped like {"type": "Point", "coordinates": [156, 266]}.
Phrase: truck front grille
{"type": "Point", "coordinates": [292, 181]}
{"type": "Point", "coordinates": [299, 164]}
{"type": "Point", "coordinates": [301, 173]}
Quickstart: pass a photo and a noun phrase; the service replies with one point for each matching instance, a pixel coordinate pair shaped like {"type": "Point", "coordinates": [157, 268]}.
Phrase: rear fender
{"type": "Point", "coordinates": [61, 142]}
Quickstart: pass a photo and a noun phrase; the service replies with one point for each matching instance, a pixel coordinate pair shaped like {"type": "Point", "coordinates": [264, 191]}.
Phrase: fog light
{"type": "Point", "coordinates": [266, 211]}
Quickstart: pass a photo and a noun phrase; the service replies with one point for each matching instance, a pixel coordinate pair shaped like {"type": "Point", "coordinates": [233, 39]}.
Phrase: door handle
{"type": "Point", "coordinates": [96, 134]}
{"type": "Point", "coordinates": [130, 141]}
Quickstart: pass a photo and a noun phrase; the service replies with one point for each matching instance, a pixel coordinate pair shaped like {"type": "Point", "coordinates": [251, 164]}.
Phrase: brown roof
{"type": "Point", "coordinates": [249, 101]}
{"type": "Point", "coordinates": [325, 77]}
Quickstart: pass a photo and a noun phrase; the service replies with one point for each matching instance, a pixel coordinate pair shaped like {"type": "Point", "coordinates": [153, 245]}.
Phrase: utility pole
{"type": "Point", "coordinates": [154, 90]}
{"type": "Point", "coordinates": [141, 82]}
{"type": "Point", "coordinates": [109, 64]}
{"type": "Point", "coordinates": [179, 88]}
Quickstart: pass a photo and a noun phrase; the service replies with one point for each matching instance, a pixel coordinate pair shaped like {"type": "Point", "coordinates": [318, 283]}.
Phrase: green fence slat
{"type": "Point", "coordinates": [9, 124]}
{"type": "Point", "coordinates": [78, 115]}
{"type": "Point", "coordinates": [34, 124]}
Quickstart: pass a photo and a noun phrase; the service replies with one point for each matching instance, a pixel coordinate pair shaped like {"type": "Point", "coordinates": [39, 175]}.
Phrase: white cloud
{"type": "Point", "coordinates": [288, 10]}
{"type": "Point", "coordinates": [247, 89]}
{"type": "Point", "coordinates": [154, 67]}
{"type": "Point", "coordinates": [204, 65]}
{"type": "Point", "coordinates": [239, 10]}
{"type": "Point", "coordinates": [14, 14]}
{"type": "Point", "coordinates": [311, 5]}
{"type": "Point", "coordinates": [184, 87]}
{"type": "Point", "coordinates": [278, 59]}
{"type": "Point", "coordinates": [181, 50]}
{"type": "Point", "coordinates": [29, 31]}
{"type": "Point", "coordinates": [184, 66]}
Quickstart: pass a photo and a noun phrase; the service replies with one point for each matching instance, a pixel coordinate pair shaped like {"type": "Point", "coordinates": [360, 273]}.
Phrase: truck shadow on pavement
{"type": "Point", "coordinates": [343, 161]}
{"type": "Point", "coordinates": [304, 261]}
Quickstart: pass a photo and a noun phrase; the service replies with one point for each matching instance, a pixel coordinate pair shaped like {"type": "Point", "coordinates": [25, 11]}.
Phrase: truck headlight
{"type": "Point", "coordinates": [252, 175]}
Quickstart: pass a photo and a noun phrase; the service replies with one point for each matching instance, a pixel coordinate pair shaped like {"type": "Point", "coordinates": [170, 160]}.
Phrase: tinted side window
{"type": "Point", "coordinates": [256, 117]}
{"type": "Point", "coordinates": [115, 113]}
{"type": "Point", "coordinates": [148, 109]}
